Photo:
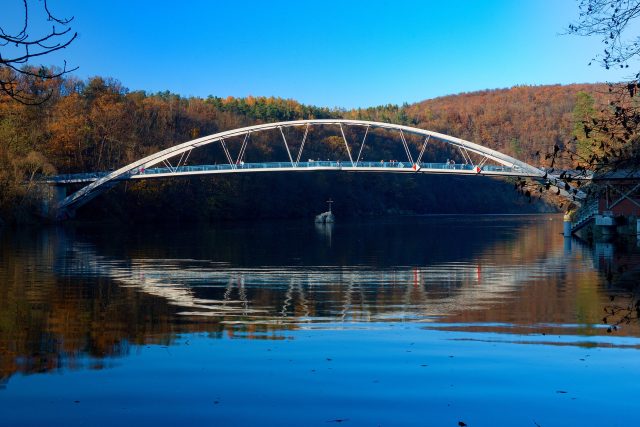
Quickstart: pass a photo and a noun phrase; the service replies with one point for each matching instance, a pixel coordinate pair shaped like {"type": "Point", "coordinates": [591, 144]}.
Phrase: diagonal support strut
{"type": "Point", "coordinates": [366, 132]}
{"type": "Point", "coordinates": [346, 144]}
{"type": "Point", "coordinates": [304, 139]}
{"type": "Point", "coordinates": [406, 147]}
{"type": "Point", "coordinates": [286, 146]}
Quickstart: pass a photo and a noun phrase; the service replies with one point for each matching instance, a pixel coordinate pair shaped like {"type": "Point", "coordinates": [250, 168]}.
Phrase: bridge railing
{"type": "Point", "coordinates": [320, 164]}
{"type": "Point", "coordinates": [311, 164]}
{"type": "Point", "coordinates": [585, 214]}
{"type": "Point", "coordinates": [77, 177]}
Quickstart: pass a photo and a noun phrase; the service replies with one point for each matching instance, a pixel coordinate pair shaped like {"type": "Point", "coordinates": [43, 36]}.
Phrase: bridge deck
{"type": "Point", "coordinates": [385, 167]}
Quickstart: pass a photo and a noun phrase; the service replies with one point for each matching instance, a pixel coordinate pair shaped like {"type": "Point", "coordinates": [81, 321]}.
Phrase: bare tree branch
{"type": "Point", "coordinates": [24, 47]}
{"type": "Point", "coordinates": [610, 19]}
{"type": "Point", "coordinates": [63, 21]}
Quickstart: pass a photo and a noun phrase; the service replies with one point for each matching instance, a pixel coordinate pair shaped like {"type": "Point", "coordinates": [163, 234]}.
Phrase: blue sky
{"type": "Point", "coordinates": [331, 53]}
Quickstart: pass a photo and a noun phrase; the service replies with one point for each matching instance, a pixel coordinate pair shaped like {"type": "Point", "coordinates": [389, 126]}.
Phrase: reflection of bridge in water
{"type": "Point", "coordinates": [103, 292]}
{"type": "Point", "coordinates": [316, 293]}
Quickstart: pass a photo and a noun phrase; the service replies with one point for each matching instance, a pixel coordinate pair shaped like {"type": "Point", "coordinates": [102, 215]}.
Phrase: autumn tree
{"type": "Point", "coordinates": [584, 113]}
{"type": "Point", "coordinates": [617, 126]}
{"type": "Point", "coordinates": [618, 121]}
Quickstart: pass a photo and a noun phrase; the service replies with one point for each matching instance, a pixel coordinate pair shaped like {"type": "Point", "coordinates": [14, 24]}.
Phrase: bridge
{"type": "Point", "coordinates": [173, 161]}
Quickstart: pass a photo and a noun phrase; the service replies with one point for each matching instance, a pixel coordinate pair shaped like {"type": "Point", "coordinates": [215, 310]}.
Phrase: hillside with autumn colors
{"type": "Point", "coordinates": [523, 121]}
{"type": "Point", "coordinates": [98, 125]}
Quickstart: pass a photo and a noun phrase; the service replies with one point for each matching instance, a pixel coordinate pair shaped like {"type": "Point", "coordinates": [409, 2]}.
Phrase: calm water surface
{"type": "Point", "coordinates": [429, 321]}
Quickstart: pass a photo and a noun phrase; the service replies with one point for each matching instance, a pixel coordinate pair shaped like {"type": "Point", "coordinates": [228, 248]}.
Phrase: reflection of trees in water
{"type": "Point", "coordinates": [65, 323]}
{"type": "Point", "coordinates": [624, 311]}
{"type": "Point", "coordinates": [94, 306]}
{"type": "Point", "coordinates": [619, 264]}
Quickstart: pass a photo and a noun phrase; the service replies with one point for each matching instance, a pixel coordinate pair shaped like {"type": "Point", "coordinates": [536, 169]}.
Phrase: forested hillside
{"type": "Point", "coordinates": [523, 121]}
{"type": "Point", "coordinates": [99, 125]}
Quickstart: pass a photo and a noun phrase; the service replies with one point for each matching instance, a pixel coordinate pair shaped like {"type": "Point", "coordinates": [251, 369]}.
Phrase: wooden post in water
{"type": "Point", "coordinates": [567, 224]}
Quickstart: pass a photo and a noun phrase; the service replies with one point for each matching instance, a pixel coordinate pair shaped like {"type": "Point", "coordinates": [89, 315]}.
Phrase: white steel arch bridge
{"type": "Point", "coordinates": [172, 162]}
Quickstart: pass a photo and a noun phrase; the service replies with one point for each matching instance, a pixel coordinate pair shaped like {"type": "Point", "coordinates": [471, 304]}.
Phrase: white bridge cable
{"type": "Point", "coordinates": [180, 161]}
{"type": "Point", "coordinates": [226, 152]}
{"type": "Point", "coordinates": [167, 163]}
{"type": "Point", "coordinates": [424, 147]}
{"type": "Point", "coordinates": [483, 161]}
{"type": "Point", "coordinates": [286, 146]}
{"type": "Point", "coordinates": [304, 139]}
{"type": "Point", "coordinates": [346, 145]}
{"type": "Point", "coordinates": [187, 158]}
{"type": "Point", "coordinates": [366, 132]}
{"type": "Point", "coordinates": [466, 156]}
{"type": "Point", "coordinates": [243, 148]}
{"type": "Point", "coordinates": [406, 147]}
{"type": "Point", "coordinates": [470, 159]}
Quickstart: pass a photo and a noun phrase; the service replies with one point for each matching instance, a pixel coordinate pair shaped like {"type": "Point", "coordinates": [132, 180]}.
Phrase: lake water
{"type": "Point", "coordinates": [421, 321]}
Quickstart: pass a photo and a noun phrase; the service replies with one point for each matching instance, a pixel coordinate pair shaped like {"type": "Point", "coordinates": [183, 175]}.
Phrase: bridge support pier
{"type": "Point", "coordinates": [605, 224]}
{"type": "Point", "coordinates": [566, 231]}
{"type": "Point", "coordinates": [52, 195]}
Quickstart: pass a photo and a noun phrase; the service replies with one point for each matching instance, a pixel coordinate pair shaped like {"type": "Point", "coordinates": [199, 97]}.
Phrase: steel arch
{"type": "Point", "coordinates": [90, 191]}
